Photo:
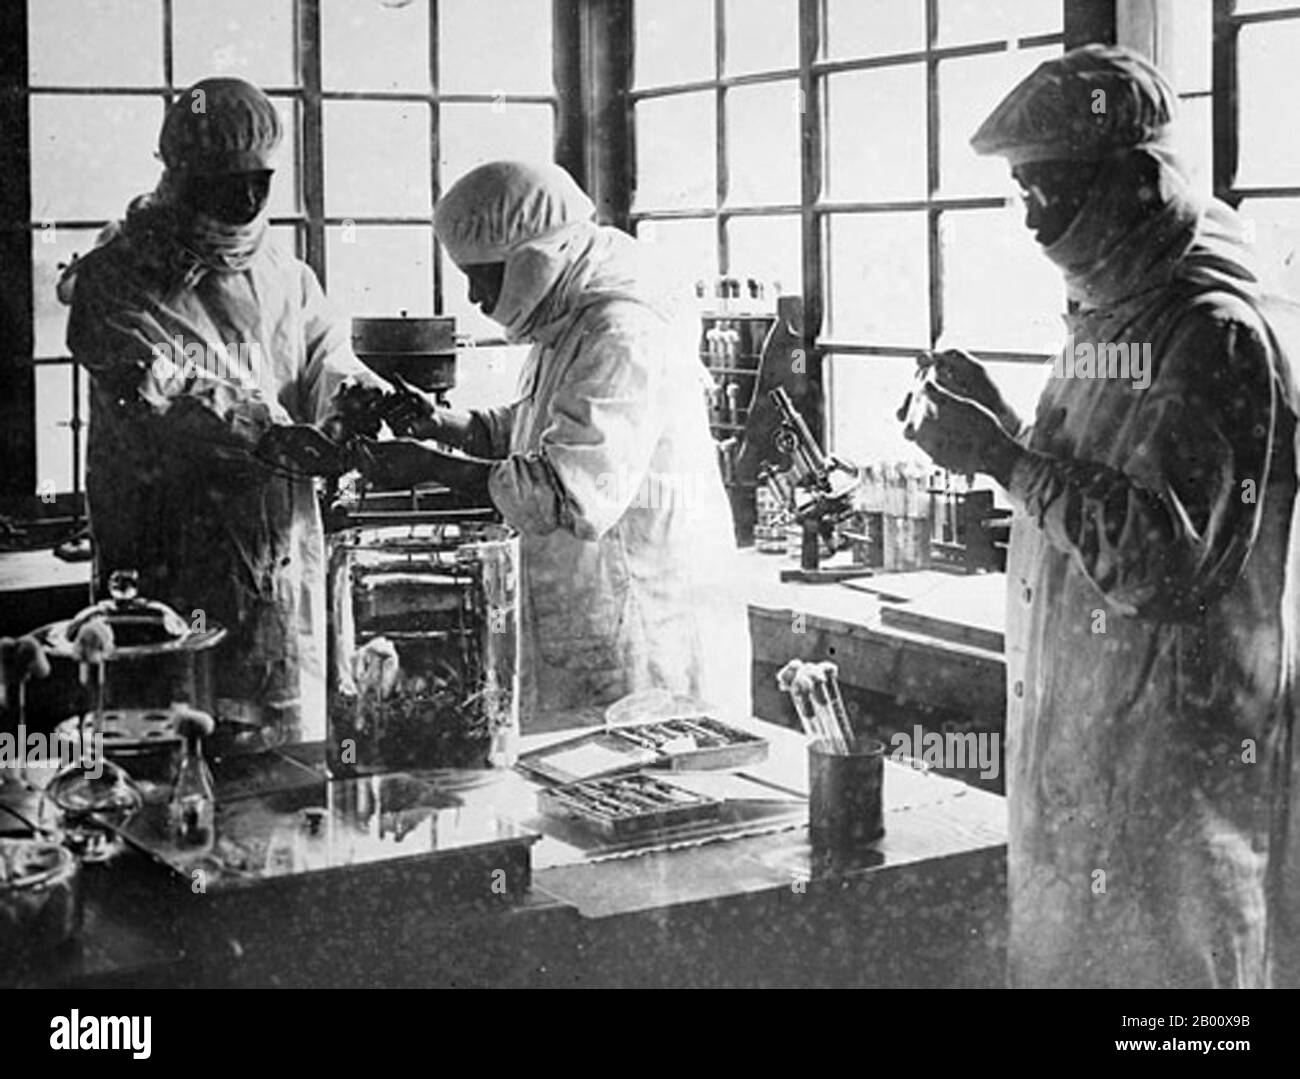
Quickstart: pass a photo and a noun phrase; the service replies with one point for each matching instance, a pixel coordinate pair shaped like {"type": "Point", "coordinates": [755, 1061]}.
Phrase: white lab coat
{"type": "Point", "coordinates": [1151, 634]}
{"type": "Point", "coordinates": [611, 476]}
{"type": "Point", "coordinates": [172, 487]}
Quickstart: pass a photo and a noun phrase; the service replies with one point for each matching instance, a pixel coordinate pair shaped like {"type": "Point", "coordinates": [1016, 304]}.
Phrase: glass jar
{"type": "Point", "coordinates": [423, 646]}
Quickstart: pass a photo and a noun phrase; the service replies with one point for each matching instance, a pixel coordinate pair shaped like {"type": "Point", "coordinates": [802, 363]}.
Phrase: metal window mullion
{"type": "Point", "coordinates": [722, 176]}
{"type": "Point", "coordinates": [169, 48]}
{"type": "Point", "coordinates": [308, 27]}
{"type": "Point", "coordinates": [1280, 15]}
{"type": "Point", "coordinates": [852, 348]}
{"type": "Point", "coordinates": [749, 78]}
{"type": "Point", "coordinates": [814, 270]}
{"type": "Point", "coordinates": [1223, 112]}
{"type": "Point", "coordinates": [938, 52]}
{"type": "Point", "coordinates": [932, 172]}
{"type": "Point", "coordinates": [435, 144]}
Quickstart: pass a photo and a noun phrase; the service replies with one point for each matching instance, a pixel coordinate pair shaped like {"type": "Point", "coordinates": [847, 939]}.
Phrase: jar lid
{"type": "Point", "coordinates": [137, 625]}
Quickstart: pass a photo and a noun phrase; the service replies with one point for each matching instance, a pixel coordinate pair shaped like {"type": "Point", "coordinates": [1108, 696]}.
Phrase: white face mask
{"type": "Point", "coordinates": [532, 270]}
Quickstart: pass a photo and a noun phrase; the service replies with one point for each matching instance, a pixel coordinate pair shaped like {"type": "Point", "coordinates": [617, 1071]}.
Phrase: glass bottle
{"type": "Point", "coordinates": [194, 803]}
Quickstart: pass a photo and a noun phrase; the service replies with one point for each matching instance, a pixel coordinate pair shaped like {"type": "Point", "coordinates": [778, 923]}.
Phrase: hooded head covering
{"type": "Point", "coordinates": [220, 125]}
{"type": "Point", "coordinates": [1107, 107]}
{"type": "Point", "coordinates": [534, 218]}
{"type": "Point", "coordinates": [1082, 106]}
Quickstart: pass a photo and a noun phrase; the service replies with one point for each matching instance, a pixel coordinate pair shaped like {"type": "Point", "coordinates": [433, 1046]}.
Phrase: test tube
{"type": "Point", "coordinates": [786, 678]}
{"type": "Point", "coordinates": [831, 674]}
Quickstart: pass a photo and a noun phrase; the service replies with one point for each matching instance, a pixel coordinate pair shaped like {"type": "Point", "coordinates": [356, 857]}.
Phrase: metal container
{"type": "Point", "coordinates": [40, 897]}
{"type": "Point", "coordinates": [846, 796]}
{"type": "Point", "coordinates": [157, 660]}
{"type": "Point", "coordinates": [423, 646]}
{"type": "Point", "coordinates": [420, 350]}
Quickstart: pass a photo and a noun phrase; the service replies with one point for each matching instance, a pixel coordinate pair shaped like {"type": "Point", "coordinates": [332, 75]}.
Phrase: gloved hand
{"type": "Point", "coordinates": [409, 411]}
{"type": "Point", "coordinates": [301, 447]}
{"type": "Point", "coordinates": [357, 411]}
{"type": "Point", "coordinates": [962, 374]}
{"type": "Point", "coordinates": [957, 433]}
{"type": "Point", "coordinates": [406, 462]}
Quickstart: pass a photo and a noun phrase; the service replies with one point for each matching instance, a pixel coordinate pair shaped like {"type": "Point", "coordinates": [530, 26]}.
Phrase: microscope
{"type": "Point", "coordinates": [819, 489]}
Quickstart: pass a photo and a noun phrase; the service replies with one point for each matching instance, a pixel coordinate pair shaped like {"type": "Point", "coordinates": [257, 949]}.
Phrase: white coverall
{"type": "Point", "coordinates": [1151, 631]}
{"type": "Point", "coordinates": [173, 489]}
{"type": "Point", "coordinates": [609, 472]}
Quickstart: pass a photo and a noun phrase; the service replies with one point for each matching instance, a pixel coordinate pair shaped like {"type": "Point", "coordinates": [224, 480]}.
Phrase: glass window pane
{"type": "Point", "coordinates": [674, 41]}
{"type": "Point", "coordinates": [473, 134]}
{"type": "Point", "coordinates": [92, 154]}
{"type": "Point", "coordinates": [285, 188]}
{"type": "Point", "coordinates": [970, 88]}
{"type": "Point", "coordinates": [377, 158]}
{"type": "Point", "coordinates": [763, 144]}
{"type": "Point", "coordinates": [1022, 384]}
{"type": "Point", "coordinates": [964, 21]}
{"type": "Point", "coordinates": [768, 250]}
{"type": "Point", "coordinates": [286, 237]}
{"type": "Point", "coordinates": [53, 248]}
{"type": "Point", "coordinates": [761, 35]}
{"type": "Point", "coordinates": [875, 132]}
{"type": "Point", "coordinates": [486, 46]}
{"type": "Point", "coordinates": [999, 290]}
{"type": "Point", "coordinates": [1193, 39]}
{"type": "Point", "coordinates": [95, 43]}
{"type": "Point", "coordinates": [253, 39]}
{"type": "Point", "coordinates": [676, 147]}
{"type": "Point", "coordinates": [54, 464]}
{"type": "Point", "coordinates": [690, 245]}
{"type": "Point", "coordinates": [1266, 56]}
{"type": "Point", "coordinates": [380, 269]}
{"type": "Point", "coordinates": [1194, 140]}
{"type": "Point", "coordinates": [873, 27]}
{"type": "Point", "coordinates": [1273, 225]}
{"type": "Point", "coordinates": [878, 279]}
{"type": "Point", "coordinates": [374, 46]}
{"type": "Point", "coordinates": [864, 393]}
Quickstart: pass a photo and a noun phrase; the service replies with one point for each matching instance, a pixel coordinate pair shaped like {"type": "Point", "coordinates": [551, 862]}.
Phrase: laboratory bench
{"type": "Point", "coordinates": [924, 907]}
{"type": "Point", "coordinates": [931, 639]}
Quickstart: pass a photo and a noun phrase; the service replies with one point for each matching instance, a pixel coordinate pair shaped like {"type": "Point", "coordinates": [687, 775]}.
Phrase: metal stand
{"type": "Point", "coordinates": [809, 571]}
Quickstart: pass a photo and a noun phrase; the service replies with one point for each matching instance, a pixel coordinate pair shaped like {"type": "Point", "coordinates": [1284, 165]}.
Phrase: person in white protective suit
{"type": "Point", "coordinates": [210, 350]}
{"type": "Point", "coordinates": [1154, 561]}
{"type": "Point", "coordinates": [604, 465]}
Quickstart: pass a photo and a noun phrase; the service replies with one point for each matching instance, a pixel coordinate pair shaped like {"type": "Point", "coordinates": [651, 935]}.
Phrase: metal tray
{"type": "Point", "coordinates": [665, 743]}
{"type": "Point", "coordinates": [620, 807]}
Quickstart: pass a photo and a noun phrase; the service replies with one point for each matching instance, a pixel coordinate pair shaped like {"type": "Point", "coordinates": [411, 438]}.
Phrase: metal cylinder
{"type": "Point", "coordinates": [846, 795]}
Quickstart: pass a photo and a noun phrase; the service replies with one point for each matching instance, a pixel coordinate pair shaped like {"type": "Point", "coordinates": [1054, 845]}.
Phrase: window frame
{"type": "Point", "coordinates": [309, 221]}
{"type": "Point", "coordinates": [1225, 101]}
{"type": "Point", "coordinates": [814, 209]}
